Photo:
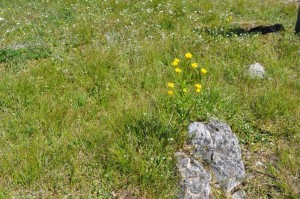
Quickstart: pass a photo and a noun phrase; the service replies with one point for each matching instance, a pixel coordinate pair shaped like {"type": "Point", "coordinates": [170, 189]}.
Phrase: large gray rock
{"type": "Point", "coordinates": [257, 71]}
{"type": "Point", "coordinates": [195, 179]}
{"type": "Point", "coordinates": [216, 144]}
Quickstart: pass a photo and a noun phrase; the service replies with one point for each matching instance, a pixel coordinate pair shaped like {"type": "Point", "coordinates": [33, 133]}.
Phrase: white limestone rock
{"type": "Point", "coordinates": [195, 179]}
{"type": "Point", "coordinates": [218, 145]}
{"type": "Point", "coordinates": [257, 71]}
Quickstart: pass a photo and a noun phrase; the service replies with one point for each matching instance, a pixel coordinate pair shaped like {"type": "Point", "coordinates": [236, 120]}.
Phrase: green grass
{"type": "Point", "coordinates": [84, 104]}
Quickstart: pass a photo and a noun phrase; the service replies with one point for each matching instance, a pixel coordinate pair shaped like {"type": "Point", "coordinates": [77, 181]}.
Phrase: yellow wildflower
{"type": "Point", "coordinates": [188, 55]}
{"type": "Point", "coordinates": [194, 65]}
{"type": "Point", "coordinates": [178, 70]}
{"type": "Point", "coordinates": [171, 85]}
{"type": "Point", "coordinates": [198, 86]}
{"type": "Point", "coordinates": [229, 19]}
{"type": "Point", "coordinates": [175, 62]}
{"type": "Point", "coordinates": [203, 71]}
{"type": "Point", "coordinates": [170, 92]}
{"type": "Point", "coordinates": [184, 90]}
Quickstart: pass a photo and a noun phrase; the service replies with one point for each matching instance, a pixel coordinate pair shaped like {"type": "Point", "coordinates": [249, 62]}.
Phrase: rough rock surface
{"type": "Point", "coordinates": [218, 147]}
{"type": "Point", "coordinates": [239, 195]}
{"type": "Point", "coordinates": [195, 180]}
{"type": "Point", "coordinates": [257, 71]}
{"type": "Point", "coordinates": [216, 144]}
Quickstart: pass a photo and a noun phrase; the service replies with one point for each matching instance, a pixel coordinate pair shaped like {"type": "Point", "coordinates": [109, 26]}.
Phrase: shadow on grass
{"type": "Point", "coordinates": [238, 31]}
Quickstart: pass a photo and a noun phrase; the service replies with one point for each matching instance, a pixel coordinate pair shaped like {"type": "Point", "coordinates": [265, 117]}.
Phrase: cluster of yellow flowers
{"type": "Point", "coordinates": [178, 70]}
{"type": "Point", "coordinates": [194, 65]}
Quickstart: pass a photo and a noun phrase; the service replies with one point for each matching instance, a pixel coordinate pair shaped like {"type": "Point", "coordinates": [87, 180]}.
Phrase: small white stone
{"type": "Point", "coordinates": [258, 163]}
{"type": "Point", "coordinates": [256, 71]}
{"type": "Point", "coordinates": [1, 19]}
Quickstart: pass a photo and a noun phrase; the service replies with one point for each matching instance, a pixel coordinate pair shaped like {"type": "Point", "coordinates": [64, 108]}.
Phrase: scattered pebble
{"type": "Point", "coordinates": [257, 71]}
{"type": "Point", "coordinates": [258, 163]}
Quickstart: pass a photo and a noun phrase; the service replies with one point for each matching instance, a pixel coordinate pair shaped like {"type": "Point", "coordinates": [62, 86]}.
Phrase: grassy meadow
{"type": "Point", "coordinates": [86, 111]}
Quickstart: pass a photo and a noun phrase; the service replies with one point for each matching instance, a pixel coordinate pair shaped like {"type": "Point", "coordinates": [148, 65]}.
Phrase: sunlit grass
{"type": "Point", "coordinates": [85, 110]}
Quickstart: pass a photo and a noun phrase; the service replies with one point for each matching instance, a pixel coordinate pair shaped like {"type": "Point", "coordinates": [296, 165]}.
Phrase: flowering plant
{"type": "Point", "coordinates": [186, 86]}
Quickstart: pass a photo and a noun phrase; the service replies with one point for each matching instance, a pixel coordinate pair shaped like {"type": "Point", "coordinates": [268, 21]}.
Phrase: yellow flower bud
{"type": "Point", "coordinates": [178, 70]}
{"type": "Point", "coordinates": [170, 92]}
{"type": "Point", "coordinates": [203, 71]}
